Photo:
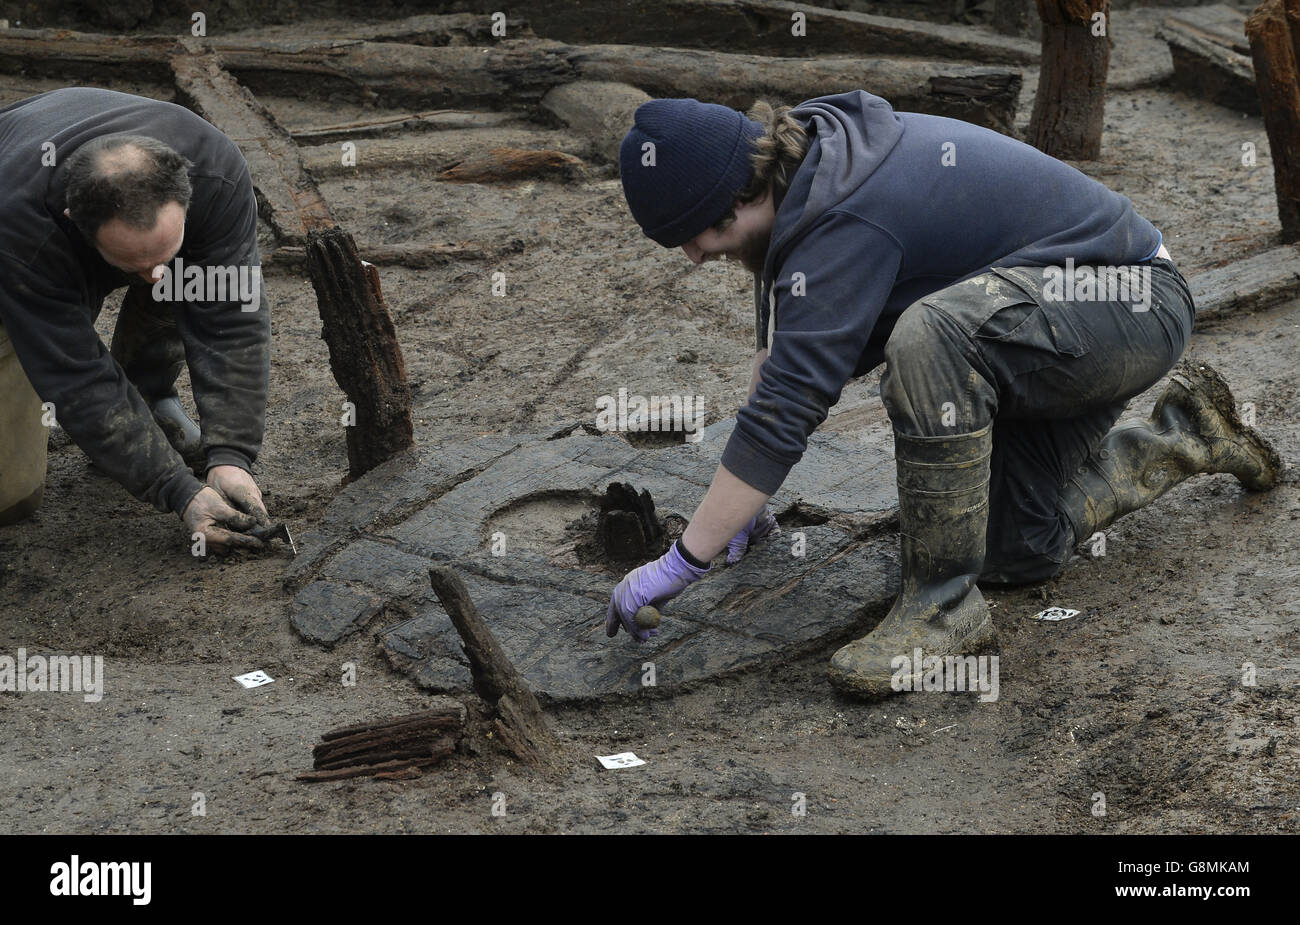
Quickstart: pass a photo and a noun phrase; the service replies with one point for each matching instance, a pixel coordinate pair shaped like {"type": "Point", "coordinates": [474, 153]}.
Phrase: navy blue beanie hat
{"type": "Point", "coordinates": [689, 179]}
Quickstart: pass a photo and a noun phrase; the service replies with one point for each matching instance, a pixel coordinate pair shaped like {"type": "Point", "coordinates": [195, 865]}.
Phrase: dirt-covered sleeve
{"type": "Point", "coordinates": [227, 339]}
{"type": "Point", "coordinates": [55, 340]}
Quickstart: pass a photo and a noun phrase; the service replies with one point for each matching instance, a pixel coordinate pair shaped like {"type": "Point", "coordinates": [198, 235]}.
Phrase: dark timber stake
{"type": "Point", "coordinates": [1274, 33]}
{"type": "Point", "coordinates": [364, 354]}
{"type": "Point", "coordinates": [1071, 100]}
{"type": "Point", "coordinates": [520, 723]}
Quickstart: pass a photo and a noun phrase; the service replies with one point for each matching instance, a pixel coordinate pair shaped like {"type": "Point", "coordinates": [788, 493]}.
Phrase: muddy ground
{"type": "Point", "coordinates": [1138, 699]}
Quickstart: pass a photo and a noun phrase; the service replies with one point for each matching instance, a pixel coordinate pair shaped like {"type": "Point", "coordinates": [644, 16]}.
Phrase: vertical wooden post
{"type": "Point", "coordinates": [1070, 105]}
{"type": "Point", "coordinates": [1274, 33]}
{"type": "Point", "coordinates": [364, 354]}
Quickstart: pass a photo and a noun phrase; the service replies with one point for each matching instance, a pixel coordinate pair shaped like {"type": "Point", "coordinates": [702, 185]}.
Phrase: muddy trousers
{"type": "Point", "coordinates": [1051, 375]}
{"type": "Point", "coordinates": [147, 344]}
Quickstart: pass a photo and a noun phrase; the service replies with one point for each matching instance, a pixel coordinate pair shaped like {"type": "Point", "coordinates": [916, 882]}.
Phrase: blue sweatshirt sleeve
{"type": "Point", "coordinates": [830, 290]}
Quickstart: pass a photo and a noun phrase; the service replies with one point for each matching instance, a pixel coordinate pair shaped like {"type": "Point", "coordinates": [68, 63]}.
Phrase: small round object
{"type": "Point", "coordinates": [647, 617]}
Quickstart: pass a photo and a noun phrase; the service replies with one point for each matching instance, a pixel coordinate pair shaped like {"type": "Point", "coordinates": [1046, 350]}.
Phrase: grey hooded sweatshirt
{"type": "Point", "coordinates": [887, 208]}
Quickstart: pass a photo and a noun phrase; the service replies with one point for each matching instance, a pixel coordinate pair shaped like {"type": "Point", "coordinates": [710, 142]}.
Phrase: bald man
{"type": "Point", "coordinates": [102, 191]}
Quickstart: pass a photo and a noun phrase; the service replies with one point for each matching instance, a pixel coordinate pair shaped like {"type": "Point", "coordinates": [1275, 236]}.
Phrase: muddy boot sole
{"type": "Point", "coordinates": [1203, 395]}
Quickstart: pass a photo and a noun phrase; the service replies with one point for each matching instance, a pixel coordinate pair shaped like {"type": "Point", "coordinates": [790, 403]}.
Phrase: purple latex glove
{"type": "Point", "coordinates": [762, 525]}
{"type": "Point", "coordinates": [652, 583]}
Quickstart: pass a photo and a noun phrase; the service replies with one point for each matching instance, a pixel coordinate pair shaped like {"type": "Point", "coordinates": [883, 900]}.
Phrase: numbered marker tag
{"type": "Point", "coordinates": [1056, 614]}
{"type": "Point", "coordinates": [613, 762]}
{"type": "Point", "coordinates": [254, 679]}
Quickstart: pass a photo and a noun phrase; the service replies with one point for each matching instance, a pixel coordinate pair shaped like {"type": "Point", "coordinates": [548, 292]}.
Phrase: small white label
{"type": "Point", "coordinates": [625, 760]}
{"type": "Point", "coordinates": [254, 679]}
{"type": "Point", "coordinates": [1054, 614]}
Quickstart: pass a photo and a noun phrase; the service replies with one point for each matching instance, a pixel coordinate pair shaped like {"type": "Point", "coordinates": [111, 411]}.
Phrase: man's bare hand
{"type": "Point", "coordinates": [239, 490]}
{"type": "Point", "coordinates": [221, 525]}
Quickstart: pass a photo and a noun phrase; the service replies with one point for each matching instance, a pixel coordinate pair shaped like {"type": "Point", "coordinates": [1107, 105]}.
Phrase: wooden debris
{"type": "Point", "coordinates": [364, 353]}
{"type": "Point", "coordinates": [1248, 285]}
{"type": "Point", "coordinates": [1212, 56]}
{"type": "Point", "coordinates": [416, 256]}
{"type": "Point", "coordinates": [507, 165]}
{"type": "Point", "coordinates": [601, 111]}
{"type": "Point", "coordinates": [388, 749]}
{"type": "Point", "coordinates": [1070, 105]}
{"type": "Point", "coordinates": [431, 120]}
{"type": "Point", "coordinates": [520, 723]}
{"type": "Point", "coordinates": [287, 197]}
{"type": "Point", "coordinates": [768, 27]}
{"type": "Point", "coordinates": [1274, 33]}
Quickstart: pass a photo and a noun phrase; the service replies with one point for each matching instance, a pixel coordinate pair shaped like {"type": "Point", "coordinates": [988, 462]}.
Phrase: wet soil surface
{"type": "Point", "coordinates": [1137, 704]}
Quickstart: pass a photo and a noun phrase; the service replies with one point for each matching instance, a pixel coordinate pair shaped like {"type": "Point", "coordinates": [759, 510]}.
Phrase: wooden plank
{"type": "Point", "coordinates": [768, 27]}
{"type": "Point", "coordinates": [1222, 25]}
{"type": "Point", "coordinates": [517, 74]}
{"type": "Point", "coordinates": [983, 95]}
{"type": "Point", "coordinates": [287, 197]}
{"type": "Point", "coordinates": [1248, 285]}
{"type": "Point", "coordinates": [435, 151]}
{"type": "Point", "coordinates": [1212, 61]}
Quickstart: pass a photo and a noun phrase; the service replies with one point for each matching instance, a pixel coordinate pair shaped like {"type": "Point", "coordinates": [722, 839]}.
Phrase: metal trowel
{"type": "Point", "coordinates": [268, 532]}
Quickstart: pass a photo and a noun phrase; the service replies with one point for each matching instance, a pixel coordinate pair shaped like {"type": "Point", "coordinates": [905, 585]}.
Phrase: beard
{"type": "Point", "coordinates": [752, 252]}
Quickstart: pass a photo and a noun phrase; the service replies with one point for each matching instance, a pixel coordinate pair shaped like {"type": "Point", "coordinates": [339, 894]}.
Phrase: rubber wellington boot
{"type": "Point", "coordinates": [147, 345]}
{"type": "Point", "coordinates": [943, 507]}
{"type": "Point", "coordinates": [1194, 428]}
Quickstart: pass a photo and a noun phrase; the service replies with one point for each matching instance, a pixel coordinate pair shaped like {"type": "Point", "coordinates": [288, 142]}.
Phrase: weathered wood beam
{"type": "Point", "coordinates": [287, 197]}
{"type": "Point", "coordinates": [436, 151]}
{"type": "Point", "coordinates": [520, 723]}
{"type": "Point", "coordinates": [1251, 284]}
{"type": "Point", "coordinates": [365, 356]}
{"type": "Point", "coordinates": [984, 95]}
{"type": "Point", "coordinates": [517, 74]}
{"type": "Point", "coordinates": [1275, 50]}
{"type": "Point", "coordinates": [1211, 58]}
{"type": "Point", "coordinates": [768, 27]}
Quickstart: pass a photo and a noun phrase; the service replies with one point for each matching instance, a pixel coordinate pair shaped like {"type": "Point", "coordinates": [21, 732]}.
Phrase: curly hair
{"type": "Point", "coordinates": [778, 152]}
